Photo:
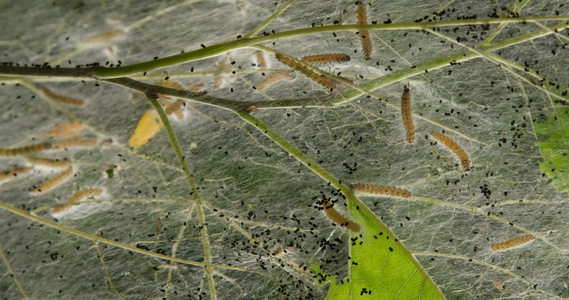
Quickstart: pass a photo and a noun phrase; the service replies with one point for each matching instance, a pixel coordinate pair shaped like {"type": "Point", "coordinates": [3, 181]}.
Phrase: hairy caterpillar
{"type": "Point", "coordinates": [77, 142]}
{"type": "Point", "coordinates": [454, 147]}
{"type": "Point", "coordinates": [103, 37]}
{"type": "Point", "coordinates": [7, 175]}
{"type": "Point", "coordinates": [66, 129]}
{"type": "Point", "coordinates": [77, 197]}
{"type": "Point", "coordinates": [48, 162]}
{"type": "Point", "coordinates": [370, 189]}
{"type": "Point", "coordinates": [513, 243]}
{"type": "Point", "coordinates": [321, 59]}
{"type": "Point", "coordinates": [147, 128]}
{"type": "Point", "coordinates": [61, 98]}
{"type": "Point", "coordinates": [54, 181]}
{"type": "Point", "coordinates": [304, 70]}
{"type": "Point", "coordinates": [25, 149]}
{"type": "Point", "coordinates": [336, 217]}
{"type": "Point", "coordinates": [406, 114]}
{"type": "Point", "coordinates": [364, 34]}
{"type": "Point", "coordinates": [274, 78]}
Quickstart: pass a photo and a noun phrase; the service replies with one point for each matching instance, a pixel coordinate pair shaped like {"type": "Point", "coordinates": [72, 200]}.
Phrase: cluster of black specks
{"type": "Point", "coordinates": [486, 191]}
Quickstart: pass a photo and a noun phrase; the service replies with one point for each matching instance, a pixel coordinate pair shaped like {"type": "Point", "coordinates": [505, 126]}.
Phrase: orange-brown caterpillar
{"type": "Point", "coordinates": [61, 98]}
{"type": "Point", "coordinates": [406, 114]}
{"type": "Point", "coordinates": [370, 189]}
{"type": "Point", "coordinates": [513, 243]}
{"type": "Point", "coordinates": [77, 142]}
{"type": "Point", "coordinates": [336, 217]}
{"type": "Point", "coordinates": [454, 147]}
{"type": "Point", "coordinates": [321, 59]}
{"type": "Point", "coordinates": [274, 78]}
{"type": "Point", "coordinates": [66, 129]}
{"type": "Point", "coordinates": [54, 181]}
{"type": "Point", "coordinates": [304, 70]}
{"type": "Point", "coordinates": [364, 34]}
{"type": "Point", "coordinates": [9, 174]}
{"type": "Point", "coordinates": [48, 162]}
{"type": "Point", "coordinates": [80, 195]}
{"type": "Point", "coordinates": [25, 149]}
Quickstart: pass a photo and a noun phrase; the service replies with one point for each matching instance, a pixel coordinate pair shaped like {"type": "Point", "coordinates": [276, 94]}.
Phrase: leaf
{"type": "Point", "coordinates": [380, 266]}
{"type": "Point", "coordinates": [554, 146]}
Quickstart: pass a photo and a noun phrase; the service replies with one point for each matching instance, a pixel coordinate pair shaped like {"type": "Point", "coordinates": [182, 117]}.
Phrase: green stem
{"type": "Point", "coordinates": [269, 19]}
{"type": "Point", "coordinates": [439, 63]}
{"type": "Point", "coordinates": [194, 191]}
{"type": "Point", "coordinates": [210, 51]}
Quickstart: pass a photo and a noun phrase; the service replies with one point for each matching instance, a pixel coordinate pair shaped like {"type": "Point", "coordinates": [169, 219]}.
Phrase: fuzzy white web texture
{"type": "Point", "coordinates": [259, 203]}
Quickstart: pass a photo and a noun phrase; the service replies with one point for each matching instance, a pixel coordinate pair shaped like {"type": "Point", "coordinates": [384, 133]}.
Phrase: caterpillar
{"type": "Point", "coordinates": [513, 243]}
{"type": "Point", "coordinates": [25, 149]}
{"type": "Point", "coordinates": [77, 142]}
{"type": "Point", "coordinates": [364, 34]}
{"type": "Point", "coordinates": [61, 98]}
{"type": "Point", "coordinates": [53, 182]}
{"type": "Point", "coordinates": [336, 217]}
{"type": "Point", "coordinates": [498, 284]}
{"type": "Point", "coordinates": [321, 59]}
{"type": "Point", "coordinates": [66, 129]}
{"type": "Point", "coordinates": [147, 128]}
{"type": "Point", "coordinates": [77, 197]}
{"type": "Point", "coordinates": [260, 59]}
{"type": "Point", "coordinates": [9, 174]}
{"type": "Point", "coordinates": [273, 79]}
{"type": "Point", "coordinates": [454, 147]}
{"type": "Point", "coordinates": [406, 114]}
{"type": "Point", "coordinates": [304, 70]}
{"type": "Point", "coordinates": [103, 37]}
{"type": "Point", "coordinates": [48, 162]}
{"type": "Point", "coordinates": [371, 190]}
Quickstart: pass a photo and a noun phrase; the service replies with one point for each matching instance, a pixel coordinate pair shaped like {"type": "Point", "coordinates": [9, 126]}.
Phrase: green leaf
{"type": "Point", "coordinates": [554, 146]}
